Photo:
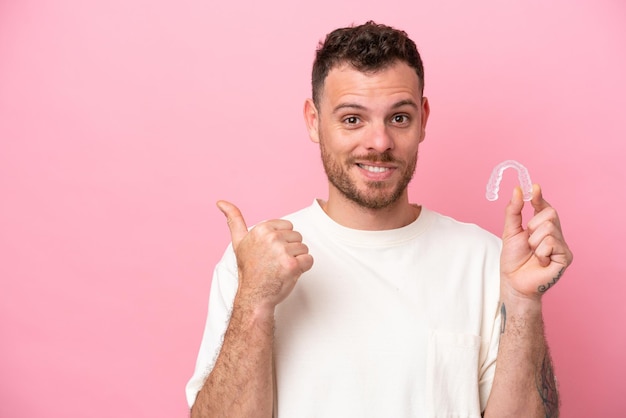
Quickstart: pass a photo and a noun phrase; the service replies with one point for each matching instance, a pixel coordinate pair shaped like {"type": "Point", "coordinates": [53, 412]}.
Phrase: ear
{"type": "Point", "coordinates": [425, 114]}
{"type": "Point", "coordinates": [311, 118]}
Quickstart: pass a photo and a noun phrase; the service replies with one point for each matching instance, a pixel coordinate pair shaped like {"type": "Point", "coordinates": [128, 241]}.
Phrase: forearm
{"type": "Point", "coordinates": [524, 383]}
{"type": "Point", "coordinates": [270, 259]}
{"type": "Point", "coordinates": [240, 384]}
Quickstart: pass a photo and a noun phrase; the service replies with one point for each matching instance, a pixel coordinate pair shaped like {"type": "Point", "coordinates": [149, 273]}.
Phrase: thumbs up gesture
{"type": "Point", "coordinates": [533, 259]}
{"type": "Point", "coordinates": [270, 258]}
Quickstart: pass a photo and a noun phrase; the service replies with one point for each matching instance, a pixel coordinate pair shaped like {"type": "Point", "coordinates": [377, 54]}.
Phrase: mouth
{"type": "Point", "coordinates": [373, 168]}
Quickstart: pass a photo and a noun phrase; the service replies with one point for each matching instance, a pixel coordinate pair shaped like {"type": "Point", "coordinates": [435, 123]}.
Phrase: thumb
{"type": "Point", "coordinates": [538, 202]}
{"type": "Point", "coordinates": [236, 223]}
{"type": "Point", "coordinates": [513, 215]}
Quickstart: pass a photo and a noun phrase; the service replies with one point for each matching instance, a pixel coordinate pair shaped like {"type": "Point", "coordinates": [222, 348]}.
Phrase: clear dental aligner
{"type": "Point", "coordinates": [496, 176]}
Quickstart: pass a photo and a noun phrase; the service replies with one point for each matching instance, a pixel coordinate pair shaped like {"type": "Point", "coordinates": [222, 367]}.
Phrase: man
{"type": "Point", "coordinates": [405, 312]}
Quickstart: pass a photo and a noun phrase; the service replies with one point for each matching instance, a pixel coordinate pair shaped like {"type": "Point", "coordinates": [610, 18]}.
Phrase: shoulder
{"type": "Point", "coordinates": [304, 214]}
{"type": "Point", "coordinates": [448, 227]}
{"type": "Point", "coordinates": [308, 219]}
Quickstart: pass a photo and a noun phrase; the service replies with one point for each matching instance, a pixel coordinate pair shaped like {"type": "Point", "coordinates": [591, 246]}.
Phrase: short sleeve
{"type": "Point", "coordinates": [490, 329]}
{"type": "Point", "coordinates": [223, 290]}
{"type": "Point", "coordinates": [488, 365]}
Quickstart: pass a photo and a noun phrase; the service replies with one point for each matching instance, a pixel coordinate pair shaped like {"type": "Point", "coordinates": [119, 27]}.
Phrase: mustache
{"type": "Point", "coordinates": [374, 157]}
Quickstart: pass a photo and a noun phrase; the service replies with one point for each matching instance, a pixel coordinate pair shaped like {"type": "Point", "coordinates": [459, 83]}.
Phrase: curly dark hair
{"type": "Point", "coordinates": [369, 47]}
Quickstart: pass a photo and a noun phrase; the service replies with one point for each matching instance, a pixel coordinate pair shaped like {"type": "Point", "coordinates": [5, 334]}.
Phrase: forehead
{"type": "Point", "coordinates": [396, 82]}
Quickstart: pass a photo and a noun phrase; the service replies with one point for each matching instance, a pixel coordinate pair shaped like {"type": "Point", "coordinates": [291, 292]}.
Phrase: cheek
{"type": "Point", "coordinates": [339, 144]}
{"type": "Point", "coordinates": [409, 146]}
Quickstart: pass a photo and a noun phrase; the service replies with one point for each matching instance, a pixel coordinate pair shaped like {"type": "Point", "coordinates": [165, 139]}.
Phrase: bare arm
{"type": "Point", "coordinates": [533, 260]}
{"type": "Point", "coordinates": [524, 384]}
{"type": "Point", "coordinates": [270, 259]}
{"type": "Point", "coordinates": [241, 380]}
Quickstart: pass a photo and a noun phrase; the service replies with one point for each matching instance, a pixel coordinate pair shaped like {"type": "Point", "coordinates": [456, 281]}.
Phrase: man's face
{"type": "Point", "coordinates": [369, 127]}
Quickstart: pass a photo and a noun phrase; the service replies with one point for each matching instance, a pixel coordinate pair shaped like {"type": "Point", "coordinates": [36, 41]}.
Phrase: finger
{"type": "Point", "coordinates": [274, 225]}
{"type": "Point", "coordinates": [538, 202]}
{"type": "Point", "coordinates": [546, 216]}
{"type": "Point", "coordinates": [305, 261]}
{"type": "Point", "coordinates": [295, 249]}
{"type": "Point", "coordinates": [545, 251]}
{"type": "Point", "coordinates": [549, 246]}
{"type": "Point", "coordinates": [513, 214]}
{"type": "Point", "coordinates": [545, 229]}
{"type": "Point", "coordinates": [291, 236]}
{"type": "Point", "coordinates": [236, 223]}
{"type": "Point", "coordinates": [555, 246]}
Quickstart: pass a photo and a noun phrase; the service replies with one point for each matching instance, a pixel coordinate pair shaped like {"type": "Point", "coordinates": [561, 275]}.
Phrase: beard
{"type": "Point", "coordinates": [377, 194]}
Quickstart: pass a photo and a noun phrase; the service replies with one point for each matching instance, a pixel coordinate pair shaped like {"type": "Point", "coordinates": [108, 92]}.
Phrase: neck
{"type": "Point", "coordinates": [352, 215]}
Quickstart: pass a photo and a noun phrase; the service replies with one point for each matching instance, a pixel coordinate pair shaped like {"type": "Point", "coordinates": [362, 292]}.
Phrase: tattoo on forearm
{"type": "Point", "coordinates": [546, 386]}
{"type": "Point", "coordinates": [503, 318]}
{"type": "Point", "coordinates": [544, 287]}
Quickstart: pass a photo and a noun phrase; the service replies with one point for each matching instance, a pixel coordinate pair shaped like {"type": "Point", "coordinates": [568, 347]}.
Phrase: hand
{"type": "Point", "coordinates": [270, 258]}
{"type": "Point", "coordinates": [535, 258]}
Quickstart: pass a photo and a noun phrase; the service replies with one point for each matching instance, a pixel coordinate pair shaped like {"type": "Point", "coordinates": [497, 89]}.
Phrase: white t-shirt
{"type": "Point", "coordinates": [397, 323]}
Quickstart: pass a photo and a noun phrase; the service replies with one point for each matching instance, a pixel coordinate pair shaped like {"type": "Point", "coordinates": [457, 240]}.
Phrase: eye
{"type": "Point", "coordinates": [351, 120]}
{"type": "Point", "coordinates": [400, 119]}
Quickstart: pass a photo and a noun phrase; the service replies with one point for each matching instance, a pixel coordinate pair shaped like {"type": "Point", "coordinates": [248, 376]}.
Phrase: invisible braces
{"type": "Point", "coordinates": [496, 177]}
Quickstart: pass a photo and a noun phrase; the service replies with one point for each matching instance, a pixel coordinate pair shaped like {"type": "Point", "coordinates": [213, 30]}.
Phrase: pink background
{"type": "Point", "coordinates": [122, 122]}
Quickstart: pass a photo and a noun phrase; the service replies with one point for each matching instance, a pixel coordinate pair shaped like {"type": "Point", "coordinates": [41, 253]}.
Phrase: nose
{"type": "Point", "coordinates": [379, 138]}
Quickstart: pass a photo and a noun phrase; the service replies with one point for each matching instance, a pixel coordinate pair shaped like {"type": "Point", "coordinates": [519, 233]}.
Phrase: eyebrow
{"type": "Point", "coordinates": [348, 106]}
{"type": "Point", "coordinates": [406, 102]}
{"type": "Point", "coordinates": [357, 106]}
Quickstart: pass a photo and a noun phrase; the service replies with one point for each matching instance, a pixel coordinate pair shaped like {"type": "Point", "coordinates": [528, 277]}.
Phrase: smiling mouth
{"type": "Point", "coordinates": [373, 169]}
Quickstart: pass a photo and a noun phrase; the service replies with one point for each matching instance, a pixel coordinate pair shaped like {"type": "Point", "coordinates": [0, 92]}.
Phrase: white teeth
{"type": "Point", "coordinates": [373, 169]}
